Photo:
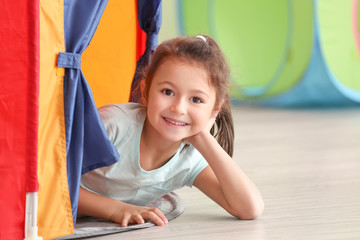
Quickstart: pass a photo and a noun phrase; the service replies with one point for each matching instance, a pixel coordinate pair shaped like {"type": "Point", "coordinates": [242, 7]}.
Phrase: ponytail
{"type": "Point", "coordinates": [225, 128]}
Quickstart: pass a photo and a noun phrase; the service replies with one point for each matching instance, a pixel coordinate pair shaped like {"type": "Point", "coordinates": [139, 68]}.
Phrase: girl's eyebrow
{"type": "Point", "coordinates": [166, 82]}
{"type": "Point", "coordinates": [194, 91]}
{"type": "Point", "coordinates": [198, 91]}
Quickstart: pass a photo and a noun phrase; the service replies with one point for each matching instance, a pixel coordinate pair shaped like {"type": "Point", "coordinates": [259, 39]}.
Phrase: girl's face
{"type": "Point", "coordinates": [180, 101]}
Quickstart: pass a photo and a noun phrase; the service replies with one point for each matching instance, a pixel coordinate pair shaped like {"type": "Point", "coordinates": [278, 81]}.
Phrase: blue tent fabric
{"type": "Point", "coordinates": [87, 143]}
{"type": "Point", "coordinates": [149, 16]}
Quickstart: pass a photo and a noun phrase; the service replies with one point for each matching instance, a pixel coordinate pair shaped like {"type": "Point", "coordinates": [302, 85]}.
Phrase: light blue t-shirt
{"type": "Point", "coordinates": [126, 180]}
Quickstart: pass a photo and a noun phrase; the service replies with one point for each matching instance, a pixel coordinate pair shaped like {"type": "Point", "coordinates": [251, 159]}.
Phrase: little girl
{"type": "Point", "coordinates": [165, 143]}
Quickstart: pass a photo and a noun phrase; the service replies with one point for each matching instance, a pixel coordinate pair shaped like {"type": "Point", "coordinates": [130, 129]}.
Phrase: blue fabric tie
{"type": "Point", "coordinates": [69, 60]}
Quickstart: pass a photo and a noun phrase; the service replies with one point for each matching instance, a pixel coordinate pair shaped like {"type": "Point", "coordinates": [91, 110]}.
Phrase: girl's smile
{"type": "Point", "coordinates": [180, 102]}
{"type": "Point", "coordinates": [173, 122]}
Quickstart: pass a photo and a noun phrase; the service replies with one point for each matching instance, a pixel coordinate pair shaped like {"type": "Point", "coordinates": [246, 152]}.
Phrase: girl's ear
{"type": "Point", "coordinates": [217, 109]}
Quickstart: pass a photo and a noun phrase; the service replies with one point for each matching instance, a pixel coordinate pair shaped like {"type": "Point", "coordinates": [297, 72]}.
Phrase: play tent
{"type": "Point", "coordinates": [48, 114]}
{"type": "Point", "coordinates": [282, 53]}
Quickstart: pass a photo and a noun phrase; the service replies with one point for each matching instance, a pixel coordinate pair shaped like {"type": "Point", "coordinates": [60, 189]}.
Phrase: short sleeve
{"type": "Point", "coordinates": [116, 123]}
{"type": "Point", "coordinates": [122, 121]}
{"type": "Point", "coordinates": [199, 164]}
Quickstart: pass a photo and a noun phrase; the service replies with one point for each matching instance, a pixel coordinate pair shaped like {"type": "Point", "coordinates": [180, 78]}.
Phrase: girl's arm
{"type": "Point", "coordinates": [95, 205]}
{"type": "Point", "coordinates": [223, 180]}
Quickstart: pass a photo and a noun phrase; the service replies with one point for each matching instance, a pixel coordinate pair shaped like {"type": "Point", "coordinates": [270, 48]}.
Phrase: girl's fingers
{"type": "Point", "coordinates": [160, 214]}
{"type": "Point", "coordinates": [210, 124]}
{"type": "Point", "coordinates": [138, 219]}
{"type": "Point", "coordinates": [155, 218]}
{"type": "Point", "coordinates": [153, 214]}
{"type": "Point", "coordinates": [125, 220]}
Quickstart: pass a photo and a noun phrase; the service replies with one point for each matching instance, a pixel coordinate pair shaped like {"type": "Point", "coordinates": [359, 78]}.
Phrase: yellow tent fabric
{"type": "Point", "coordinates": [54, 211]}
{"type": "Point", "coordinates": [109, 61]}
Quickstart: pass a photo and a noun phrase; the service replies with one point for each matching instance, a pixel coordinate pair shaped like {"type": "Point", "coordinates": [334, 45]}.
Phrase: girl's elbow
{"type": "Point", "coordinates": [250, 212]}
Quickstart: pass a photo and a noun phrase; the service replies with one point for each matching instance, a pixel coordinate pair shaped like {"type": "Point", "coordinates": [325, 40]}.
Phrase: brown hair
{"type": "Point", "coordinates": [209, 56]}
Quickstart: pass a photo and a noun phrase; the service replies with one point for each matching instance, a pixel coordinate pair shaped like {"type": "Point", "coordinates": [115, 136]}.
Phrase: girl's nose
{"type": "Point", "coordinates": [178, 106]}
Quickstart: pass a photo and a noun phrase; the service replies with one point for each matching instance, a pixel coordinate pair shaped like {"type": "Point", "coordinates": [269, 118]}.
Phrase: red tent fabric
{"type": "Point", "coordinates": [19, 66]}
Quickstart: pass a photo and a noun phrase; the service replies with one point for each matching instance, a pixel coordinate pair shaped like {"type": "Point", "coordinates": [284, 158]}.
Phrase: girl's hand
{"type": "Point", "coordinates": [192, 139]}
{"type": "Point", "coordinates": [92, 204]}
{"type": "Point", "coordinates": [130, 214]}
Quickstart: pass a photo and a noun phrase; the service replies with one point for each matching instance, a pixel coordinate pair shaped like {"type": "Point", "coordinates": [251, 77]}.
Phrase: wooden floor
{"type": "Point", "coordinates": [307, 165]}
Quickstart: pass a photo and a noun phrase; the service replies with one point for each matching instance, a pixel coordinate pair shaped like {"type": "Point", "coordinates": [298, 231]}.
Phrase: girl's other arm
{"type": "Point", "coordinates": [224, 181]}
{"type": "Point", "coordinates": [95, 205]}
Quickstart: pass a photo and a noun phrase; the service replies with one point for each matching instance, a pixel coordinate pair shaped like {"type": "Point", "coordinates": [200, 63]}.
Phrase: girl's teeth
{"type": "Point", "coordinates": [175, 123]}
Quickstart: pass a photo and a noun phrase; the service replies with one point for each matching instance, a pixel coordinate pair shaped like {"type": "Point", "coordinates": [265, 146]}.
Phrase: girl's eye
{"type": "Point", "coordinates": [168, 92]}
{"type": "Point", "coordinates": [196, 100]}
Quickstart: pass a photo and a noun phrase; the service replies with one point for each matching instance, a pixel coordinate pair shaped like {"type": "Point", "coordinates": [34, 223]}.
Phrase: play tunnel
{"type": "Point", "coordinates": [281, 53]}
